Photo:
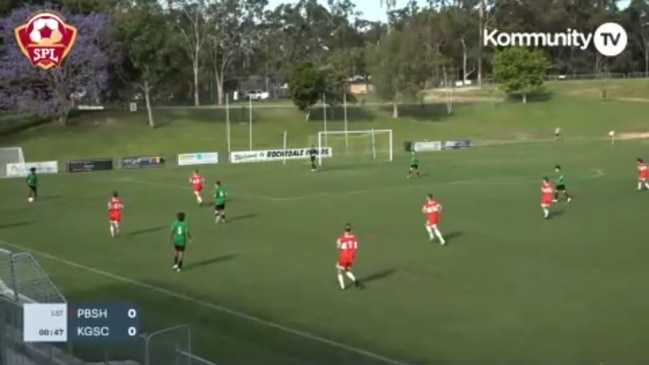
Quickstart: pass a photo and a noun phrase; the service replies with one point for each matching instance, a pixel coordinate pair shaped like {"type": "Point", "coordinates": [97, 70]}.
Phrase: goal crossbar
{"type": "Point", "coordinates": [372, 133]}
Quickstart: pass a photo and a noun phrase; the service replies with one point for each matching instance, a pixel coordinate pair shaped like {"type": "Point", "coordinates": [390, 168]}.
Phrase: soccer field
{"type": "Point", "coordinates": [509, 287]}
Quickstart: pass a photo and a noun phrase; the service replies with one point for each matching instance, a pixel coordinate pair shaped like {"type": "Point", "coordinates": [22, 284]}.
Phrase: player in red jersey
{"type": "Point", "coordinates": [433, 210]}
{"type": "Point", "coordinates": [547, 192]}
{"type": "Point", "coordinates": [643, 175]}
{"type": "Point", "coordinates": [115, 207]}
{"type": "Point", "coordinates": [347, 244]}
{"type": "Point", "coordinates": [197, 182]}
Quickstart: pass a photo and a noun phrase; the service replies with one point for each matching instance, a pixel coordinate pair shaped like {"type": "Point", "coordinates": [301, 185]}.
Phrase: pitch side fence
{"type": "Point", "coordinates": [23, 280]}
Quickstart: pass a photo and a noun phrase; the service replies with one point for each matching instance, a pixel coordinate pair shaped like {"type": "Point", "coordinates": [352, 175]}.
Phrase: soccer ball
{"type": "Point", "coordinates": [30, 199]}
{"type": "Point", "coordinates": [46, 31]}
{"type": "Point", "coordinates": [611, 133]}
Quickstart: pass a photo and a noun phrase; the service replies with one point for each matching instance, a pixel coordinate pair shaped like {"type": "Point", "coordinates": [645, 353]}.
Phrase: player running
{"type": "Point", "coordinates": [197, 182]}
{"type": "Point", "coordinates": [643, 175]}
{"type": "Point", "coordinates": [433, 210]}
{"type": "Point", "coordinates": [220, 196]}
{"type": "Point", "coordinates": [115, 207]}
{"type": "Point", "coordinates": [179, 237]}
{"type": "Point", "coordinates": [414, 165]}
{"type": "Point", "coordinates": [347, 244]}
{"type": "Point", "coordinates": [560, 184]}
{"type": "Point", "coordinates": [32, 185]}
{"type": "Point", "coordinates": [546, 197]}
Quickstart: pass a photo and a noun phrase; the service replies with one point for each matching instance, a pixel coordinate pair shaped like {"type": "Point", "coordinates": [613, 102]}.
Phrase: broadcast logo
{"type": "Point", "coordinates": [46, 39]}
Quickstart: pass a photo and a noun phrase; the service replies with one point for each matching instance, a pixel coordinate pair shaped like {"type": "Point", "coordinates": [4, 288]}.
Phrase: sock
{"type": "Point", "coordinates": [199, 199]}
{"type": "Point", "coordinates": [116, 228]}
{"type": "Point", "coordinates": [556, 196]}
{"type": "Point", "coordinates": [180, 264]}
{"type": "Point", "coordinates": [341, 281]}
{"type": "Point", "coordinates": [175, 260]}
{"type": "Point", "coordinates": [646, 185]}
{"type": "Point", "coordinates": [223, 216]}
{"type": "Point", "coordinates": [430, 232]}
{"type": "Point", "coordinates": [639, 186]}
{"type": "Point", "coordinates": [546, 212]}
{"type": "Point", "coordinates": [112, 230]}
{"type": "Point", "coordinates": [351, 276]}
{"type": "Point", "coordinates": [439, 234]}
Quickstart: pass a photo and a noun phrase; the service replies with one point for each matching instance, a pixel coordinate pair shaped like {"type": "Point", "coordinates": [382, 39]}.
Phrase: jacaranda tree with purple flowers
{"type": "Point", "coordinates": [50, 93]}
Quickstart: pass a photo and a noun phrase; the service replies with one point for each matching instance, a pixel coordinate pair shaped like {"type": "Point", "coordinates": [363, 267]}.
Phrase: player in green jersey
{"type": "Point", "coordinates": [32, 185]}
{"type": "Point", "coordinates": [414, 165]}
{"type": "Point", "coordinates": [220, 196]}
{"type": "Point", "coordinates": [179, 236]}
{"type": "Point", "coordinates": [560, 185]}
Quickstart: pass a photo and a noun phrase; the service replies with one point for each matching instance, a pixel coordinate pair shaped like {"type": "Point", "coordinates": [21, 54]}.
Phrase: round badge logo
{"type": "Point", "coordinates": [610, 39]}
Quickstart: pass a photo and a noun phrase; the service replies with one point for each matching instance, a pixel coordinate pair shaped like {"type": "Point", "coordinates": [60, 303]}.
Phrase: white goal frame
{"type": "Point", "coordinates": [322, 140]}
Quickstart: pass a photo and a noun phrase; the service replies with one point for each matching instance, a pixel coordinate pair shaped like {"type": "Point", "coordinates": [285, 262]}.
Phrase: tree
{"type": "Point", "coordinates": [396, 67]}
{"type": "Point", "coordinates": [50, 93]}
{"type": "Point", "coordinates": [191, 22]}
{"type": "Point", "coordinates": [307, 85]}
{"type": "Point", "coordinates": [520, 70]}
{"type": "Point", "coordinates": [149, 46]}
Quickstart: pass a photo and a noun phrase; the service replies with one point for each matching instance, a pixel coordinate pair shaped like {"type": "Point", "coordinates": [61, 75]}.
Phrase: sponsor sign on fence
{"type": "Point", "coordinates": [202, 158]}
{"type": "Point", "coordinates": [455, 145]}
{"type": "Point", "coordinates": [427, 146]}
{"type": "Point", "coordinates": [276, 155]}
{"type": "Point", "coordinates": [141, 162]}
{"type": "Point", "coordinates": [22, 169]}
{"type": "Point", "coordinates": [95, 164]}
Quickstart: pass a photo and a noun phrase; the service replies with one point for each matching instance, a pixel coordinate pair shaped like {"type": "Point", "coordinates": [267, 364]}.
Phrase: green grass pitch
{"type": "Point", "coordinates": [508, 288]}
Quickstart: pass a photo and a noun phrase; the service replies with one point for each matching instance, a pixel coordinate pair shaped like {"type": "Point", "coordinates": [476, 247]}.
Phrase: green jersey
{"type": "Point", "coordinates": [414, 160]}
{"type": "Point", "coordinates": [561, 178]}
{"type": "Point", "coordinates": [180, 233]}
{"type": "Point", "coordinates": [32, 179]}
{"type": "Point", "coordinates": [220, 194]}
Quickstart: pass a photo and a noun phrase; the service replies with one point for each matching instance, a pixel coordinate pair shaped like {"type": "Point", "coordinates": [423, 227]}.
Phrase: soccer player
{"type": "Point", "coordinates": [546, 197]}
{"type": "Point", "coordinates": [197, 182]}
{"type": "Point", "coordinates": [115, 207]}
{"type": "Point", "coordinates": [313, 153]}
{"type": "Point", "coordinates": [220, 195]}
{"type": "Point", "coordinates": [347, 244]}
{"type": "Point", "coordinates": [32, 185]}
{"type": "Point", "coordinates": [560, 185]}
{"type": "Point", "coordinates": [414, 165]}
{"type": "Point", "coordinates": [643, 175]}
{"type": "Point", "coordinates": [179, 237]}
{"type": "Point", "coordinates": [433, 210]}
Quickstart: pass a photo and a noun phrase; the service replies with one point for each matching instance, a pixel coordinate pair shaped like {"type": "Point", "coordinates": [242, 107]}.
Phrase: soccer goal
{"type": "Point", "coordinates": [10, 155]}
{"type": "Point", "coordinates": [373, 144]}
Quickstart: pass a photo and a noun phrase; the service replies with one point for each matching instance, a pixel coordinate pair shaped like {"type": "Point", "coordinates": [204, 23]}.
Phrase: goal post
{"type": "Point", "coordinates": [372, 144]}
{"type": "Point", "coordinates": [10, 155]}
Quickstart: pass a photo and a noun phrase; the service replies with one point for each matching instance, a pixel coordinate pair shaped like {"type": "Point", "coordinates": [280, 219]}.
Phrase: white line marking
{"type": "Point", "coordinates": [497, 181]}
{"type": "Point", "coordinates": [209, 305]}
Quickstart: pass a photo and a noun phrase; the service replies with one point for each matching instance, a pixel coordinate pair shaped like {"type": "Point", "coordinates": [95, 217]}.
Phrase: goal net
{"type": "Point", "coordinates": [373, 144]}
{"type": "Point", "coordinates": [10, 155]}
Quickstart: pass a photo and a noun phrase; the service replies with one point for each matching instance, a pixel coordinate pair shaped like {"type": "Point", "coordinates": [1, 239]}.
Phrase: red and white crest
{"type": "Point", "coordinates": [46, 39]}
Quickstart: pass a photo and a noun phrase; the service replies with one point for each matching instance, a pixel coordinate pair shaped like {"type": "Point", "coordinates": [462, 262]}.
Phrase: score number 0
{"type": "Point", "coordinates": [132, 314]}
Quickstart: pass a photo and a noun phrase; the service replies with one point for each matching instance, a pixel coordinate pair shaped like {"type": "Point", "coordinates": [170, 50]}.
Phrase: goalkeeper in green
{"type": "Point", "coordinates": [414, 165]}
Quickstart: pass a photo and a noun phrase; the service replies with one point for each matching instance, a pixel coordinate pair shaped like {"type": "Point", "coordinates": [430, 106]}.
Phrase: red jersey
{"type": "Point", "coordinates": [642, 170]}
{"type": "Point", "coordinates": [115, 205]}
{"type": "Point", "coordinates": [433, 210]}
{"type": "Point", "coordinates": [197, 180]}
{"type": "Point", "coordinates": [347, 244]}
{"type": "Point", "coordinates": [546, 193]}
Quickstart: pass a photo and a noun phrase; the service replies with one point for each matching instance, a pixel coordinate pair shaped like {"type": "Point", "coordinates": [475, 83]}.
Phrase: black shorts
{"type": "Point", "coordinates": [33, 188]}
{"type": "Point", "coordinates": [414, 167]}
{"type": "Point", "coordinates": [312, 158]}
{"type": "Point", "coordinates": [219, 207]}
{"type": "Point", "coordinates": [179, 248]}
{"type": "Point", "coordinates": [561, 187]}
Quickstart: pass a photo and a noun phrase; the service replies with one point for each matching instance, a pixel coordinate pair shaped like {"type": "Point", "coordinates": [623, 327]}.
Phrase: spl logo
{"type": "Point", "coordinates": [46, 39]}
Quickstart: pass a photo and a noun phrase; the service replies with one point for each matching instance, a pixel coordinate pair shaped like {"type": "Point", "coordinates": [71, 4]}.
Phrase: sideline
{"type": "Point", "coordinates": [209, 305]}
